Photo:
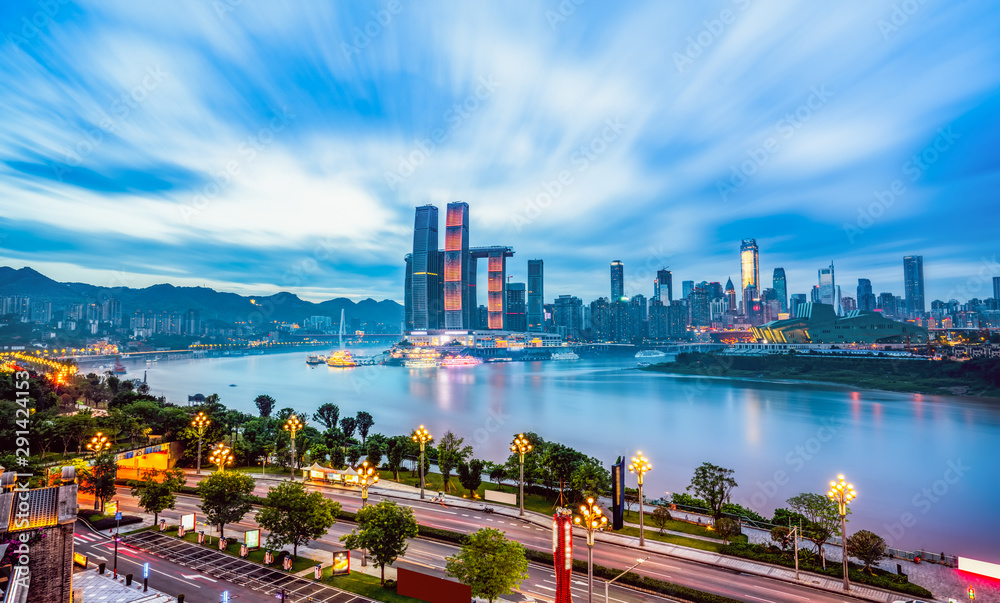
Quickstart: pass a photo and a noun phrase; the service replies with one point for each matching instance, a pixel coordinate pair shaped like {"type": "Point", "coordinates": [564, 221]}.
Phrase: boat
{"type": "Point", "coordinates": [315, 359]}
{"type": "Point", "coordinates": [642, 364]}
{"type": "Point", "coordinates": [453, 361]}
{"type": "Point", "coordinates": [341, 359]}
{"type": "Point", "coordinates": [119, 367]}
{"type": "Point", "coordinates": [565, 356]}
{"type": "Point", "coordinates": [650, 354]}
{"type": "Point", "coordinates": [500, 359]}
{"type": "Point", "coordinates": [420, 363]}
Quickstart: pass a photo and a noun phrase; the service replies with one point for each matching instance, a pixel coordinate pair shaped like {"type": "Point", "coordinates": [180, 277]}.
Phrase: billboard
{"type": "Point", "coordinates": [618, 494]}
{"type": "Point", "coordinates": [111, 507]}
{"type": "Point", "coordinates": [341, 563]}
{"type": "Point", "coordinates": [187, 522]}
{"type": "Point", "coordinates": [251, 538]}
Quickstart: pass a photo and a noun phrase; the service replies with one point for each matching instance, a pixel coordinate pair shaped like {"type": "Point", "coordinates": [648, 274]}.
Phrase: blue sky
{"type": "Point", "coordinates": [260, 146]}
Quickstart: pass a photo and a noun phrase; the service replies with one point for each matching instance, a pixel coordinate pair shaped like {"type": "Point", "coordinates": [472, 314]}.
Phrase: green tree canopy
{"type": "Point", "coordinates": [867, 547]}
{"type": "Point", "coordinates": [489, 564]}
{"type": "Point", "coordinates": [99, 478]}
{"type": "Point", "coordinates": [822, 518]}
{"type": "Point", "coordinates": [450, 454]}
{"type": "Point", "coordinates": [156, 489]}
{"type": "Point", "coordinates": [327, 415]}
{"type": "Point", "coordinates": [714, 484]}
{"type": "Point", "coordinates": [470, 475]}
{"type": "Point", "coordinates": [364, 422]}
{"type": "Point", "coordinates": [294, 516]}
{"type": "Point", "coordinates": [382, 530]}
{"type": "Point", "coordinates": [265, 405]}
{"type": "Point", "coordinates": [225, 497]}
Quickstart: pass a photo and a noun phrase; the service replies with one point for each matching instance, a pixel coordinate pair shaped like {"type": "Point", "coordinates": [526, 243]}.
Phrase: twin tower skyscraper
{"type": "Point", "coordinates": [440, 285]}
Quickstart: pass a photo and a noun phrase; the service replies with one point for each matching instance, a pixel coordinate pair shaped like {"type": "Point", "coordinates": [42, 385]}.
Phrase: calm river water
{"type": "Point", "coordinates": [925, 467]}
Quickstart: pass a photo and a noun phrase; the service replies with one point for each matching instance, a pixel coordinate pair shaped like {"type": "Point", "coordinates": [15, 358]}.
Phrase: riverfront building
{"type": "Point", "coordinates": [913, 277]}
{"type": "Point", "coordinates": [819, 323]}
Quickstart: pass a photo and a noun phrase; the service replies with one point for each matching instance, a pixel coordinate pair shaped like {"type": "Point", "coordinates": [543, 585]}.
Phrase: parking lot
{"type": "Point", "coordinates": [239, 571]}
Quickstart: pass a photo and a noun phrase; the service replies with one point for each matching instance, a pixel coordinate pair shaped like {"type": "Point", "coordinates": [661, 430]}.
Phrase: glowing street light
{"type": "Point", "coordinates": [367, 475]}
{"type": "Point", "coordinates": [521, 446]}
{"type": "Point", "coordinates": [99, 442]}
{"type": "Point", "coordinates": [220, 456]}
{"type": "Point", "coordinates": [292, 425]}
{"type": "Point", "coordinates": [843, 493]}
{"type": "Point", "coordinates": [422, 436]}
{"type": "Point", "coordinates": [639, 466]}
{"type": "Point", "coordinates": [200, 424]}
{"type": "Point", "coordinates": [593, 520]}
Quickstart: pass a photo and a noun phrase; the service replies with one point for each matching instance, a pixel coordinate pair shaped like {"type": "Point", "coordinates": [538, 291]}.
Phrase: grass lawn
{"type": "Point", "coordinates": [275, 471]}
{"type": "Point", "coordinates": [233, 548]}
{"type": "Point", "coordinates": [672, 539]}
{"type": "Point", "coordinates": [366, 586]}
{"type": "Point", "coordinates": [673, 524]}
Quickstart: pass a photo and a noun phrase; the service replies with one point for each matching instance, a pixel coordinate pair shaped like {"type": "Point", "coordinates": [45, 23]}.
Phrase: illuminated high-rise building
{"type": "Point", "coordinates": [780, 286]}
{"type": "Point", "coordinates": [913, 281]}
{"type": "Point", "coordinates": [536, 298]}
{"type": "Point", "coordinates": [516, 317]}
{"type": "Point", "coordinates": [996, 288]}
{"type": "Point", "coordinates": [617, 280]}
{"type": "Point", "coordinates": [749, 265]}
{"type": "Point", "coordinates": [457, 309]}
{"type": "Point", "coordinates": [827, 286]}
{"type": "Point", "coordinates": [424, 269]}
{"type": "Point", "coordinates": [731, 296]}
{"type": "Point", "coordinates": [663, 286]}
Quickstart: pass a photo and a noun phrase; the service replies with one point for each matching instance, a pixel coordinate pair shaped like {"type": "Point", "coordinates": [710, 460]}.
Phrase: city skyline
{"type": "Point", "coordinates": [248, 152]}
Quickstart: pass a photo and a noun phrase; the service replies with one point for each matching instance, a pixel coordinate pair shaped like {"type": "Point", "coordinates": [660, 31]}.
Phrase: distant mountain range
{"type": "Point", "coordinates": [212, 304]}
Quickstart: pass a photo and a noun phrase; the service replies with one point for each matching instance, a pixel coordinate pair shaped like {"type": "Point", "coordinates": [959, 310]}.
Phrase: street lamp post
{"type": "Point", "coordinates": [220, 456]}
{"type": "Point", "coordinates": [200, 424]}
{"type": "Point", "coordinates": [521, 446]}
{"type": "Point", "coordinates": [592, 519]}
{"type": "Point", "coordinates": [843, 493]}
{"type": "Point", "coordinates": [607, 583]}
{"type": "Point", "coordinates": [422, 436]}
{"type": "Point", "coordinates": [367, 475]}
{"type": "Point", "coordinates": [292, 425]}
{"type": "Point", "coordinates": [98, 444]}
{"type": "Point", "coordinates": [639, 466]}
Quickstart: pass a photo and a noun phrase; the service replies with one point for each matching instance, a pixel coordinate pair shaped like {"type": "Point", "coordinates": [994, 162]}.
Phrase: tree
{"type": "Point", "coordinates": [348, 425]}
{"type": "Point", "coordinates": [661, 517]}
{"type": "Point", "coordinates": [489, 564]}
{"type": "Point", "coordinates": [337, 460]}
{"type": "Point", "coordinates": [353, 455]}
{"type": "Point", "coordinates": [779, 536]}
{"type": "Point", "coordinates": [327, 415]}
{"type": "Point", "coordinates": [560, 461]}
{"type": "Point", "coordinates": [382, 530]}
{"type": "Point", "coordinates": [364, 422]}
{"type": "Point", "coordinates": [450, 454]}
{"type": "Point", "coordinates": [498, 474]}
{"type": "Point", "coordinates": [470, 475]}
{"type": "Point", "coordinates": [590, 478]}
{"type": "Point", "coordinates": [155, 494]}
{"type": "Point", "coordinates": [714, 484]}
{"type": "Point", "coordinates": [727, 528]}
{"type": "Point", "coordinates": [822, 518]}
{"type": "Point", "coordinates": [99, 479]}
{"type": "Point", "coordinates": [319, 452]}
{"type": "Point", "coordinates": [265, 404]}
{"type": "Point", "coordinates": [394, 455]}
{"type": "Point", "coordinates": [294, 516]}
{"type": "Point", "coordinates": [373, 453]}
{"type": "Point", "coordinates": [225, 497]}
{"type": "Point", "coordinates": [867, 547]}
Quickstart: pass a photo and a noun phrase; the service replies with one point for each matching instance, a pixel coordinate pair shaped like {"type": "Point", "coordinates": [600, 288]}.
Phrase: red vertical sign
{"type": "Point", "coordinates": [562, 553]}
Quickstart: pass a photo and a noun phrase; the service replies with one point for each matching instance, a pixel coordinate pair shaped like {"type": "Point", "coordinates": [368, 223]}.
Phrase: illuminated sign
{"type": "Point", "coordinates": [187, 522]}
{"type": "Point", "coordinates": [80, 560]}
{"type": "Point", "coordinates": [341, 563]}
{"type": "Point", "coordinates": [111, 507]}
{"type": "Point", "coordinates": [983, 568]}
{"type": "Point", "coordinates": [145, 571]}
{"type": "Point", "coordinates": [251, 538]}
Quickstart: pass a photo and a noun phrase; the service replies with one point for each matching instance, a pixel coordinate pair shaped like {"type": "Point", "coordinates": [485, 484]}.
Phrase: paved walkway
{"type": "Point", "coordinates": [92, 587]}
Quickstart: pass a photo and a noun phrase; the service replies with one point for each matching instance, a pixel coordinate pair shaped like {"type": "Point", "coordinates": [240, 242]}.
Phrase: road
{"type": "Point", "coordinates": [744, 587]}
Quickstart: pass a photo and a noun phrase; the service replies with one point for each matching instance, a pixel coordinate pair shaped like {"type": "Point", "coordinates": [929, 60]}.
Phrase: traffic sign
{"type": "Point", "coordinates": [118, 516]}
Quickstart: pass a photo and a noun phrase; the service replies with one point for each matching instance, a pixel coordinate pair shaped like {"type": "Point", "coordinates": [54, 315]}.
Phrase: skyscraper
{"type": "Point", "coordinates": [731, 295]}
{"type": "Point", "coordinates": [456, 267]}
{"type": "Point", "coordinates": [516, 319]}
{"type": "Point", "coordinates": [536, 297]}
{"type": "Point", "coordinates": [749, 264]}
{"type": "Point", "coordinates": [780, 287]}
{"type": "Point", "coordinates": [996, 288]}
{"type": "Point", "coordinates": [913, 280]}
{"type": "Point", "coordinates": [798, 299]}
{"type": "Point", "coordinates": [866, 298]}
{"type": "Point", "coordinates": [617, 280]}
{"type": "Point", "coordinates": [568, 316]}
{"type": "Point", "coordinates": [425, 273]}
{"type": "Point", "coordinates": [686, 288]}
{"type": "Point", "coordinates": [827, 286]}
{"type": "Point", "coordinates": [663, 286]}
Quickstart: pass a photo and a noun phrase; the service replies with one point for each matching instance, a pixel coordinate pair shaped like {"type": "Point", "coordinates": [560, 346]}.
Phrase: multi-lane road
{"type": "Point", "coordinates": [540, 585]}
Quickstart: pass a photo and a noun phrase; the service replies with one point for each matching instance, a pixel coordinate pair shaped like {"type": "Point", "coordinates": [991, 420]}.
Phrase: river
{"type": "Point", "coordinates": [924, 467]}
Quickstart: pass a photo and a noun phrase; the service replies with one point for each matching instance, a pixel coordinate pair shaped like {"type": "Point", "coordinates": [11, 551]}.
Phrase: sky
{"type": "Point", "coordinates": [257, 147]}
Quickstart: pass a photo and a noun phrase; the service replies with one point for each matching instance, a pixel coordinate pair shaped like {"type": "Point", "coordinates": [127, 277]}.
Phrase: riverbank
{"type": "Point", "coordinates": [978, 378]}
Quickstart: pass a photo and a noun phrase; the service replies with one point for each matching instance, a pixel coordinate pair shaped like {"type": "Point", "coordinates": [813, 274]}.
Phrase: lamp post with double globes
{"type": "Point", "coordinates": [200, 424]}
{"type": "Point", "coordinates": [521, 446]}
{"type": "Point", "coordinates": [843, 493]}
{"type": "Point", "coordinates": [99, 443]}
{"type": "Point", "coordinates": [592, 520]}
{"type": "Point", "coordinates": [422, 436]}
{"type": "Point", "coordinates": [639, 466]}
{"type": "Point", "coordinates": [220, 456]}
{"type": "Point", "coordinates": [367, 475]}
{"type": "Point", "coordinates": [292, 425]}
